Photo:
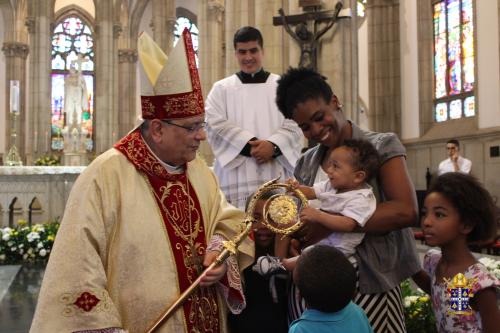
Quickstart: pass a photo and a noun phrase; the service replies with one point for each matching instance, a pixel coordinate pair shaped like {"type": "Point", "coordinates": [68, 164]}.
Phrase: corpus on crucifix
{"type": "Point", "coordinates": [307, 31]}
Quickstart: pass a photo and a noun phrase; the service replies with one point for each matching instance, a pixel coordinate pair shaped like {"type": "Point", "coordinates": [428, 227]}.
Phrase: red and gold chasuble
{"type": "Point", "coordinates": [181, 212]}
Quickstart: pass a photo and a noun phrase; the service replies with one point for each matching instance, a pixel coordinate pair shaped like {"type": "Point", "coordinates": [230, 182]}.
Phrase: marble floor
{"type": "Point", "coordinates": [19, 288]}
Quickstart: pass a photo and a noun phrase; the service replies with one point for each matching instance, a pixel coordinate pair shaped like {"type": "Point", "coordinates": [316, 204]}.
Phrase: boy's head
{"type": "Point", "coordinates": [352, 164]}
{"type": "Point", "coordinates": [325, 278]}
{"type": "Point", "coordinates": [249, 49]}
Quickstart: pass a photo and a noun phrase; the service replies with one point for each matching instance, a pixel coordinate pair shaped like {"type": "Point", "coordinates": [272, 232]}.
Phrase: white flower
{"type": "Point", "coordinates": [32, 236]}
{"type": "Point", "coordinates": [42, 253]}
{"type": "Point", "coordinates": [488, 262]}
{"type": "Point", "coordinates": [409, 300]}
{"type": "Point", "coordinates": [30, 250]}
{"type": "Point", "coordinates": [6, 236]}
{"type": "Point", "coordinates": [21, 246]}
{"type": "Point", "coordinates": [21, 251]}
{"type": "Point", "coordinates": [10, 243]}
{"type": "Point", "coordinates": [2, 257]}
{"type": "Point", "coordinates": [25, 256]}
{"type": "Point", "coordinates": [39, 245]}
{"type": "Point", "coordinates": [496, 272]}
{"type": "Point", "coordinates": [13, 248]}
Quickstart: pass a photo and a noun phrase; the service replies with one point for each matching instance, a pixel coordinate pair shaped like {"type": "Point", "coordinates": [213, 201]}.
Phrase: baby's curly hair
{"type": "Point", "coordinates": [364, 157]}
{"type": "Point", "coordinates": [472, 201]}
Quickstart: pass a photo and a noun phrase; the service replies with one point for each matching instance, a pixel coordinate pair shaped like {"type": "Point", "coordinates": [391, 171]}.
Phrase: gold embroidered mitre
{"type": "Point", "coordinates": [172, 89]}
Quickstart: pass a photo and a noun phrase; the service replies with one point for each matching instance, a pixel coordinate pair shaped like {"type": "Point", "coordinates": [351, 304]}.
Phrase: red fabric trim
{"type": "Point", "coordinates": [181, 213]}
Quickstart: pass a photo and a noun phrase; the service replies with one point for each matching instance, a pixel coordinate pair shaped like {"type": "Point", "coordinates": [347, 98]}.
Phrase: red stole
{"type": "Point", "coordinates": [181, 213]}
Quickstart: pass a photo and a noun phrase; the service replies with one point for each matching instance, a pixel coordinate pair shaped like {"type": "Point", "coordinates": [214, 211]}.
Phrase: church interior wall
{"type": "Point", "coordinates": [409, 70]}
{"type": "Point", "coordinates": [363, 89]}
{"type": "Point", "coordinates": [424, 139]}
{"type": "Point", "coordinates": [488, 72]}
{"type": "Point", "coordinates": [87, 5]}
{"type": "Point", "coordinates": [3, 90]}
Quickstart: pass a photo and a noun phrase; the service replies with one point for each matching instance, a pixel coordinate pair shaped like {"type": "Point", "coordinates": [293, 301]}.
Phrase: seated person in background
{"type": "Point", "coordinates": [328, 291]}
{"type": "Point", "coordinates": [347, 200]}
{"type": "Point", "coordinates": [454, 162]}
{"type": "Point", "coordinates": [265, 296]}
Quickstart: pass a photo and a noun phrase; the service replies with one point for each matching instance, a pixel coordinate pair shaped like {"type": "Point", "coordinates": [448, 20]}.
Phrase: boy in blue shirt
{"type": "Point", "coordinates": [328, 290]}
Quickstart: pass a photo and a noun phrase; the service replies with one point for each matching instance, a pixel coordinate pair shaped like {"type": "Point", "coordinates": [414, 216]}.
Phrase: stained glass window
{"type": "Point", "coordinates": [453, 59]}
{"type": "Point", "coordinates": [72, 56]}
{"type": "Point", "coordinates": [184, 22]}
{"type": "Point", "coordinates": [361, 8]}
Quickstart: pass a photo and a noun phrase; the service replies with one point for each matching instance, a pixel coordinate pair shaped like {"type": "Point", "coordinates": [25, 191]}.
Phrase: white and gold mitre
{"type": "Point", "coordinates": [172, 89]}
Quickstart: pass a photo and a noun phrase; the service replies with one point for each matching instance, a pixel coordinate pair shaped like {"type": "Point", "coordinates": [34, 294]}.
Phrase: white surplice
{"type": "Point", "coordinates": [237, 112]}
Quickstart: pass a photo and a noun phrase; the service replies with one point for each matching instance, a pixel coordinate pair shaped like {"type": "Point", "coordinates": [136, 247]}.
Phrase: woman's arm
{"type": "Point", "coordinates": [423, 281]}
{"type": "Point", "coordinates": [400, 208]}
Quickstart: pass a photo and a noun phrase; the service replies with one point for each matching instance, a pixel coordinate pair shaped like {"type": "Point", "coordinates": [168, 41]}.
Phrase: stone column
{"type": "Point", "coordinates": [211, 53]}
{"type": "Point", "coordinates": [39, 99]}
{"type": "Point", "coordinates": [273, 43]}
{"type": "Point", "coordinates": [15, 69]}
{"type": "Point", "coordinates": [105, 116]}
{"type": "Point", "coordinates": [127, 62]}
{"type": "Point", "coordinates": [384, 66]}
{"type": "Point", "coordinates": [163, 23]}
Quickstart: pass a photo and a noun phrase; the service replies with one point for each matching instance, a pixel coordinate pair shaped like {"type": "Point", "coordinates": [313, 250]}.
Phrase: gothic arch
{"type": "Point", "coordinates": [74, 10]}
{"type": "Point", "coordinates": [183, 12]}
{"type": "Point", "coordinates": [135, 20]}
{"type": "Point", "coordinates": [8, 14]}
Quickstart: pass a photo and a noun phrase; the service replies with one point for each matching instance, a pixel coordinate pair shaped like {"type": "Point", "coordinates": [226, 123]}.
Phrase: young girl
{"type": "Point", "coordinates": [458, 210]}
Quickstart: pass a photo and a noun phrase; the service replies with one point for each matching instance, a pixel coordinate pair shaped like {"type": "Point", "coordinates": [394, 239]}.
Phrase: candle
{"type": "Point", "coordinates": [35, 141]}
{"type": "Point", "coordinates": [14, 96]}
{"type": "Point", "coordinates": [46, 141]}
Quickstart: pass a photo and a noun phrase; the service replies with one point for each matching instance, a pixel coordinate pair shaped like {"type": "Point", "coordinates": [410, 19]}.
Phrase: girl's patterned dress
{"type": "Point", "coordinates": [447, 320]}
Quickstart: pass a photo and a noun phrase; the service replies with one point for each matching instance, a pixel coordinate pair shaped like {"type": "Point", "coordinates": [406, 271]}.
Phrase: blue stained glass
{"type": "Point", "coordinates": [73, 26]}
{"type": "Point", "coordinates": [469, 106]}
{"type": "Point", "coordinates": [453, 71]}
{"type": "Point", "coordinates": [456, 109]}
{"type": "Point", "coordinates": [184, 22]}
{"type": "Point", "coordinates": [58, 29]}
{"type": "Point", "coordinates": [61, 43]}
{"type": "Point", "coordinates": [441, 112]}
{"type": "Point", "coordinates": [58, 62]}
{"type": "Point", "coordinates": [83, 43]}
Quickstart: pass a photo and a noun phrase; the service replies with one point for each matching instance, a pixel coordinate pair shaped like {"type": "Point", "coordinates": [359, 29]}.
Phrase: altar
{"type": "Point", "coordinates": [36, 193]}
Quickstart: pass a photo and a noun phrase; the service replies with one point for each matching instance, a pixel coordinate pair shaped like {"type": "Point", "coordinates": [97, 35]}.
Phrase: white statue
{"type": "Point", "coordinates": [75, 96]}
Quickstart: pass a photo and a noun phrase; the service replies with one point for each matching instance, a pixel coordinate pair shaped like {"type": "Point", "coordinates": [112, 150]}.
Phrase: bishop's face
{"type": "Point", "coordinates": [180, 139]}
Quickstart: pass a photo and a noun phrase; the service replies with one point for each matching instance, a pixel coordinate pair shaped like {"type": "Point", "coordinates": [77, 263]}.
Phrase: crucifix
{"type": "Point", "coordinates": [308, 29]}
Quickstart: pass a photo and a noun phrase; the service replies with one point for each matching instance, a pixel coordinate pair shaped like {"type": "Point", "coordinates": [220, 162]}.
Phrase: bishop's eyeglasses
{"type": "Point", "coordinates": [190, 129]}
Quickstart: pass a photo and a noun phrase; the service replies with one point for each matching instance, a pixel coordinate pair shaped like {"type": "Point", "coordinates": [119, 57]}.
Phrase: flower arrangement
{"type": "Point", "coordinates": [27, 244]}
{"type": "Point", "coordinates": [48, 160]}
{"type": "Point", "coordinates": [492, 265]}
{"type": "Point", "coordinates": [419, 316]}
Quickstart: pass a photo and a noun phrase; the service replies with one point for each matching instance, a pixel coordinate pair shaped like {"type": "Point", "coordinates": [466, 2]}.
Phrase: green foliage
{"type": "Point", "coordinates": [419, 317]}
{"type": "Point", "coordinates": [48, 160]}
{"type": "Point", "coordinates": [27, 244]}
